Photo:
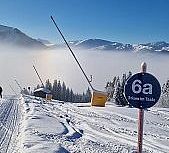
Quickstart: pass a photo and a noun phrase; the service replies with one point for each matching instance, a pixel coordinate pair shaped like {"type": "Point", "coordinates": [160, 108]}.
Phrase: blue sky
{"type": "Point", "coordinates": [132, 21]}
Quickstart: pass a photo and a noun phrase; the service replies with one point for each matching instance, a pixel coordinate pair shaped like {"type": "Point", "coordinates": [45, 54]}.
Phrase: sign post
{"type": "Point", "coordinates": [142, 90]}
{"type": "Point", "coordinates": [141, 117]}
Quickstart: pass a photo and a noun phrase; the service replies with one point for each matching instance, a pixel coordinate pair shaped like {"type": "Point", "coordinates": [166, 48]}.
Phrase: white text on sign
{"type": "Point", "coordinates": [148, 99]}
{"type": "Point", "coordinates": [137, 88]}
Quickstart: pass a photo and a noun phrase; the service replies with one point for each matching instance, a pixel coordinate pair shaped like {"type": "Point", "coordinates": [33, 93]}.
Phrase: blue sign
{"type": "Point", "coordinates": [142, 90]}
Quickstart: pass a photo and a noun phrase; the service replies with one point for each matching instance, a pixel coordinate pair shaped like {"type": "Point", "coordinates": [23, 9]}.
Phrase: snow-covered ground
{"type": "Point", "coordinates": [58, 127]}
{"type": "Point", "coordinates": [9, 123]}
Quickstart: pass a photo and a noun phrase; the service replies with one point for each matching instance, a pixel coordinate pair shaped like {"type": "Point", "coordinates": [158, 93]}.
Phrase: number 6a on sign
{"type": "Point", "coordinates": [137, 87]}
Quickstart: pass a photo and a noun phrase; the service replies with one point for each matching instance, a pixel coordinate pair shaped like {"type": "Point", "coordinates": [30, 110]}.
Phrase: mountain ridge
{"type": "Point", "coordinates": [99, 44]}
{"type": "Point", "coordinates": [11, 36]}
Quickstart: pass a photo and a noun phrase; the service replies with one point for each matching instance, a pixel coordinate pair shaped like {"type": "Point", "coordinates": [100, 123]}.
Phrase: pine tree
{"type": "Point", "coordinates": [88, 95]}
{"type": "Point", "coordinates": [117, 92]}
{"type": "Point", "coordinates": [115, 89]}
{"type": "Point", "coordinates": [54, 89]}
{"type": "Point", "coordinates": [38, 86]}
{"type": "Point", "coordinates": [112, 85]}
{"type": "Point", "coordinates": [78, 98]}
{"type": "Point", "coordinates": [48, 85]}
{"type": "Point", "coordinates": [67, 94]}
{"type": "Point", "coordinates": [71, 96]}
{"type": "Point", "coordinates": [122, 99]}
{"type": "Point", "coordinates": [59, 88]}
{"type": "Point", "coordinates": [164, 99]}
{"type": "Point", "coordinates": [83, 97]}
{"type": "Point", "coordinates": [63, 91]}
{"type": "Point", "coordinates": [75, 98]}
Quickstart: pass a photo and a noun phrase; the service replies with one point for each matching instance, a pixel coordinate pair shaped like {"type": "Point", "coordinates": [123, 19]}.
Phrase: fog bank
{"type": "Point", "coordinates": [59, 64]}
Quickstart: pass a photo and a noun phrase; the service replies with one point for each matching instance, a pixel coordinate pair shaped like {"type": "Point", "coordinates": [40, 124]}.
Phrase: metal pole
{"type": "Point", "coordinates": [18, 84]}
{"type": "Point", "coordinates": [141, 117]}
{"type": "Point", "coordinates": [72, 53]}
{"type": "Point", "coordinates": [38, 75]}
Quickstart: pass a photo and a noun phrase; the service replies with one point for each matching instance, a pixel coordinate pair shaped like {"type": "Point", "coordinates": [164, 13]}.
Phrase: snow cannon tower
{"type": "Point", "coordinates": [99, 98]}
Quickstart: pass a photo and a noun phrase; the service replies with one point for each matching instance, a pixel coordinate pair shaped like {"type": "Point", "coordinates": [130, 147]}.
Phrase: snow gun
{"type": "Point", "coordinates": [38, 76]}
{"type": "Point", "coordinates": [42, 92]}
{"type": "Point", "coordinates": [98, 98]}
{"type": "Point", "coordinates": [18, 85]}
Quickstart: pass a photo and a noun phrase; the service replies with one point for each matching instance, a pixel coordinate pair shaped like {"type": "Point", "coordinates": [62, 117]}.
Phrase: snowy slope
{"type": "Point", "coordinates": [13, 36]}
{"type": "Point", "coordinates": [65, 127]}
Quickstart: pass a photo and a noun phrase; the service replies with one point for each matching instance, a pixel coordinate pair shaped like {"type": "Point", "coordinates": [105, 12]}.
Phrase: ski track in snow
{"type": "Point", "coordinates": [9, 124]}
{"type": "Point", "coordinates": [79, 128]}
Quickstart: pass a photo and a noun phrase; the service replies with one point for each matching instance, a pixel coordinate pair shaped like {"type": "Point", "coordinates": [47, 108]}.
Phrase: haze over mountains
{"type": "Point", "coordinates": [13, 36]}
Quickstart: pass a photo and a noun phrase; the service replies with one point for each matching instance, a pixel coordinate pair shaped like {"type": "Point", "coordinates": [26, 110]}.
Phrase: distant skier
{"type": "Point", "coordinates": [1, 91]}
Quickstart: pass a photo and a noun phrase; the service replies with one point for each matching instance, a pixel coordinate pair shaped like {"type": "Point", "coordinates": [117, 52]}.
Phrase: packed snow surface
{"type": "Point", "coordinates": [9, 124]}
{"type": "Point", "coordinates": [61, 127]}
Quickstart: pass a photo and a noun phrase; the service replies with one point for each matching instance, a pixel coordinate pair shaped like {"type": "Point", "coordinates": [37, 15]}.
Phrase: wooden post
{"type": "Point", "coordinates": [141, 117]}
